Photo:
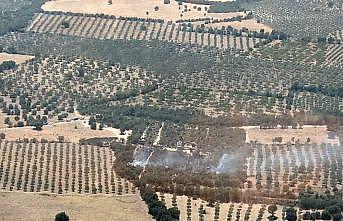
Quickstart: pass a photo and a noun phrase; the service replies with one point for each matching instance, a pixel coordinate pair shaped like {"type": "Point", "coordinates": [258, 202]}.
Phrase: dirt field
{"type": "Point", "coordinates": [72, 132]}
{"type": "Point", "coordinates": [38, 207]}
{"type": "Point", "coordinates": [18, 58]}
{"type": "Point", "coordinates": [133, 8]}
{"type": "Point", "coordinates": [317, 134]}
{"type": "Point", "coordinates": [250, 24]}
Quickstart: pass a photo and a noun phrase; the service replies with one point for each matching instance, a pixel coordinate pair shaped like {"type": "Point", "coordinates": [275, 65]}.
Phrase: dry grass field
{"type": "Point", "coordinates": [18, 206]}
{"type": "Point", "coordinates": [71, 131]}
{"type": "Point", "coordinates": [316, 134]}
{"type": "Point", "coordinates": [250, 24]}
{"type": "Point", "coordinates": [18, 58]}
{"type": "Point", "coordinates": [133, 8]}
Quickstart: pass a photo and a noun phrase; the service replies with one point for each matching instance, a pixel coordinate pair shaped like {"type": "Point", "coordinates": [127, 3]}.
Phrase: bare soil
{"type": "Point", "coordinates": [40, 207]}
{"type": "Point", "coordinates": [133, 8]}
{"type": "Point", "coordinates": [18, 58]}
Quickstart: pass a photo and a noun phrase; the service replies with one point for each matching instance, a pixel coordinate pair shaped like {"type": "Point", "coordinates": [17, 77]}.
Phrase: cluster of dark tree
{"type": "Point", "coordinates": [200, 2]}
{"type": "Point", "coordinates": [65, 24]}
{"type": "Point", "coordinates": [330, 203]}
{"type": "Point", "coordinates": [321, 40]}
{"type": "Point", "coordinates": [157, 208]}
{"type": "Point", "coordinates": [177, 115]}
{"type": "Point", "coordinates": [207, 186]}
{"type": "Point", "coordinates": [165, 58]}
{"type": "Point", "coordinates": [229, 30]}
{"type": "Point", "coordinates": [16, 20]}
{"type": "Point", "coordinates": [211, 20]}
{"type": "Point", "coordinates": [329, 91]}
{"type": "Point", "coordinates": [104, 16]}
{"type": "Point", "coordinates": [123, 167]}
{"type": "Point", "coordinates": [62, 216]}
{"type": "Point", "coordinates": [123, 95]}
{"type": "Point", "coordinates": [234, 6]}
{"type": "Point", "coordinates": [7, 65]}
{"type": "Point", "coordinates": [136, 118]}
{"type": "Point", "coordinates": [122, 164]}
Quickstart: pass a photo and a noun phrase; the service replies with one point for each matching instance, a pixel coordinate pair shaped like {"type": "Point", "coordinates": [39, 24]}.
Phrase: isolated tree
{"type": "Point", "coordinates": [337, 217]}
{"type": "Point", "coordinates": [62, 217]}
{"type": "Point", "coordinates": [38, 125]}
{"type": "Point", "coordinates": [291, 214]}
{"type": "Point", "coordinates": [65, 24]}
{"type": "Point", "coordinates": [7, 120]}
{"type": "Point", "coordinates": [272, 209]}
{"type": "Point", "coordinates": [326, 215]}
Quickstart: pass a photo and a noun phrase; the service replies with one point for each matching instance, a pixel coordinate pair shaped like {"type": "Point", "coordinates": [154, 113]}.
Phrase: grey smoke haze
{"type": "Point", "coordinates": [218, 162]}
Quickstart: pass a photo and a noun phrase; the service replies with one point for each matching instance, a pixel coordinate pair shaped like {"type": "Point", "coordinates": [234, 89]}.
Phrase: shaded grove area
{"type": "Point", "coordinates": [16, 14]}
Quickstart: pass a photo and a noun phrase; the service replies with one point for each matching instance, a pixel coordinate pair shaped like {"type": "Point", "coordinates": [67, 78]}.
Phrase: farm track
{"type": "Point", "coordinates": [112, 28]}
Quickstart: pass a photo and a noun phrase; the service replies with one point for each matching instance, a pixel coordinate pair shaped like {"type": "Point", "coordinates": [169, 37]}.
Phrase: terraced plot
{"type": "Point", "coordinates": [334, 55]}
{"type": "Point", "coordinates": [136, 29]}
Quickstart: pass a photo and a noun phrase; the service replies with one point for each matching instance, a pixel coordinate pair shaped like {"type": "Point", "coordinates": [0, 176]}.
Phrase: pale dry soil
{"type": "Point", "coordinates": [18, 58]}
{"type": "Point", "coordinates": [317, 134]}
{"type": "Point", "coordinates": [20, 206]}
{"type": "Point", "coordinates": [250, 24]}
{"type": "Point", "coordinates": [133, 8]}
{"type": "Point", "coordinates": [71, 131]}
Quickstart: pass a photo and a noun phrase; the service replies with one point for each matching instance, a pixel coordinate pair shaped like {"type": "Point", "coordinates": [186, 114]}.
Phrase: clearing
{"type": "Point", "coordinates": [132, 8]}
{"type": "Point", "coordinates": [32, 207]}
{"type": "Point", "coordinates": [316, 134]}
{"type": "Point", "coordinates": [71, 131]}
{"type": "Point", "coordinates": [18, 58]}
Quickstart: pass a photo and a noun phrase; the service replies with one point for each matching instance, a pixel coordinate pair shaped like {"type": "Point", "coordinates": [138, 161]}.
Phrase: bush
{"type": "Point", "coordinates": [61, 217]}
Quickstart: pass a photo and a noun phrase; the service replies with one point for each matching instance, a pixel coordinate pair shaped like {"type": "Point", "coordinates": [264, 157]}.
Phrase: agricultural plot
{"type": "Point", "coordinates": [49, 90]}
{"type": "Point", "coordinates": [134, 29]}
{"type": "Point", "coordinates": [226, 90]}
{"type": "Point", "coordinates": [336, 36]}
{"type": "Point", "coordinates": [334, 55]}
{"type": "Point", "coordinates": [192, 209]}
{"type": "Point", "coordinates": [339, 35]}
{"type": "Point", "coordinates": [60, 168]}
{"type": "Point", "coordinates": [239, 84]}
{"type": "Point", "coordinates": [306, 18]}
{"type": "Point", "coordinates": [294, 51]}
{"type": "Point", "coordinates": [284, 169]}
